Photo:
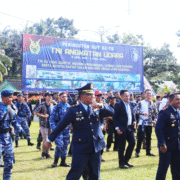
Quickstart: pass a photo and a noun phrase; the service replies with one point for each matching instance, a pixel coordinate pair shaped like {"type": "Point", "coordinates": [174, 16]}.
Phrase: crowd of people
{"type": "Point", "coordinates": [89, 116]}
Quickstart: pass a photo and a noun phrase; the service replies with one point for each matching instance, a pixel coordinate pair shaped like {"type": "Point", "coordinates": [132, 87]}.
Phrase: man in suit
{"type": "Point", "coordinates": [125, 124]}
{"type": "Point", "coordinates": [168, 134]}
{"type": "Point", "coordinates": [88, 139]}
{"type": "Point", "coordinates": [111, 128]}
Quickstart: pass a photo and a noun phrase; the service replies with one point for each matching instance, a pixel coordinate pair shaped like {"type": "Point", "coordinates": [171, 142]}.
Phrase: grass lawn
{"type": "Point", "coordinates": [29, 164]}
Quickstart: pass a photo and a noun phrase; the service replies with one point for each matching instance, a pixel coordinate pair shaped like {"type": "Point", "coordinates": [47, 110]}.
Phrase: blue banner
{"type": "Point", "coordinates": [62, 65]}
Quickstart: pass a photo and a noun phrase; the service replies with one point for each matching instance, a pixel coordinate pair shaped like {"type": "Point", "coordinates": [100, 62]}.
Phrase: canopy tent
{"type": "Point", "coordinates": [14, 85]}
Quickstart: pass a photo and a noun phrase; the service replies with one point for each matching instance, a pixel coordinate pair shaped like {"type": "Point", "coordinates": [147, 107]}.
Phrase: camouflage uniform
{"type": "Point", "coordinates": [23, 112]}
{"type": "Point", "coordinates": [62, 140]}
{"type": "Point", "coordinates": [6, 145]}
{"type": "Point", "coordinates": [44, 122]}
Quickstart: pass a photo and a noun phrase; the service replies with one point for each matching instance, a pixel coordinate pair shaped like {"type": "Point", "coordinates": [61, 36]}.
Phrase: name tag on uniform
{"type": "Point", "coordinates": [79, 116]}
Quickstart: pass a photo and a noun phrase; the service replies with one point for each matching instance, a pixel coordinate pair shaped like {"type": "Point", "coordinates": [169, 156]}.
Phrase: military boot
{"type": "Point", "coordinates": [55, 161]}
{"type": "Point", "coordinates": [48, 156]}
{"type": "Point", "coordinates": [63, 163]}
{"type": "Point", "coordinates": [30, 143]}
{"type": "Point", "coordinates": [16, 142]}
{"type": "Point", "coordinates": [38, 145]}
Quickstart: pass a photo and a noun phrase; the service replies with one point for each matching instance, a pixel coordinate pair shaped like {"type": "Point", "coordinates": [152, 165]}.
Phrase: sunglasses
{"type": "Point", "coordinates": [99, 95]}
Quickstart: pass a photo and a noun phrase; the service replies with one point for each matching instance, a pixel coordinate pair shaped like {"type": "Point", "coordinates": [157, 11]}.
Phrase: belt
{"type": "Point", "coordinates": [22, 115]}
{"type": "Point", "coordinates": [2, 131]}
{"type": "Point", "coordinates": [143, 123]}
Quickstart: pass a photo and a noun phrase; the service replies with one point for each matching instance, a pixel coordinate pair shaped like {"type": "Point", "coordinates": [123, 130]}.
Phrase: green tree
{"type": "Point", "coordinates": [128, 39]}
{"type": "Point", "coordinates": [159, 64]}
{"type": "Point", "coordinates": [65, 28]}
{"type": "Point", "coordinates": [165, 90]}
{"type": "Point", "coordinates": [5, 64]}
{"type": "Point", "coordinates": [11, 40]}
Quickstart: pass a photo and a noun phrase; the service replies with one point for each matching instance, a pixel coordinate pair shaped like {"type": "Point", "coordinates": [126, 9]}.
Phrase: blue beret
{"type": "Point", "coordinates": [6, 93]}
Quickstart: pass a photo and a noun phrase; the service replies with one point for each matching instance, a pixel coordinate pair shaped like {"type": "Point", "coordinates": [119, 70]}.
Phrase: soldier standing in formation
{"type": "Point", "coordinates": [28, 102]}
{"type": "Point", "coordinates": [63, 139]}
{"type": "Point", "coordinates": [23, 112]}
{"type": "Point", "coordinates": [7, 118]}
{"type": "Point", "coordinates": [39, 138]}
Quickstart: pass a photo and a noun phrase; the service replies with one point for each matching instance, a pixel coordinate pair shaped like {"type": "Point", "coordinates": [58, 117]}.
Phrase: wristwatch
{"type": "Point", "coordinates": [162, 145]}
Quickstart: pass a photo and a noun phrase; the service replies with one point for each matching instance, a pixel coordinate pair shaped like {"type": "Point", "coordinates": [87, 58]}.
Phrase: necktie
{"type": "Point", "coordinates": [88, 110]}
{"type": "Point", "coordinates": [178, 131]}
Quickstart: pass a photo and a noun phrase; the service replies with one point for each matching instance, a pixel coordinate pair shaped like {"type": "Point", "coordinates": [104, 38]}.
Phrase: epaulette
{"type": "Point", "coordinates": [75, 105]}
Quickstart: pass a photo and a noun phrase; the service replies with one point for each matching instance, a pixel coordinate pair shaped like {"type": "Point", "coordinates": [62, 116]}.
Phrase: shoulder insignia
{"type": "Point", "coordinates": [75, 105]}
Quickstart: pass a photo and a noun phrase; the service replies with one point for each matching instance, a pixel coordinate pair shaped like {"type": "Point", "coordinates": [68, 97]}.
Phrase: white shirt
{"type": "Point", "coordinates": [85, 106]}
{"type": "Point", "coordinates": [129, 114]}
{"type": "Point", "coordinates": [144, 109]}
{"type": "Point", "coordinates": [163, 103]}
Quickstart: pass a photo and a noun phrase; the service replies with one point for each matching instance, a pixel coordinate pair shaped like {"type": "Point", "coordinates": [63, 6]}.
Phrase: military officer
{"type": "Point", "coordinates": [28, 102]}
{"type": "Point", "coordinates": [7, 118]}
{"type": "Point", "coordinates": [168, 134]}
{"type": "Point", "coordinates": [23, 111]}
{"type": "Point", "coordinates": [62, 140]}
{"type": "Point", "coordinates": [88, 139]}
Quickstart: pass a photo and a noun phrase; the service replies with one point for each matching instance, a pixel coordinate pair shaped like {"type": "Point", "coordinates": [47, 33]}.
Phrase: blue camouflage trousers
{"type": "Point", "coordinates": [62, 142]}
{"type": "Point", "coordinates": [22, 121]}
{"type": "Point", "coordinates": [7, 151]}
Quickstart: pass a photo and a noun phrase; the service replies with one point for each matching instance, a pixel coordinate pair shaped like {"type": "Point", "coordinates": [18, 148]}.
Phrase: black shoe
{"type": "Point", "coordinates": [64, 164]}
{"type": "Point", "coordinates": [2, 165]}
{"type": "Point", "coordinates": [48, 156]}
{"type": "Point", "coordinates": [30, 143]}
{"type": "Point", "coordinates": [54, 164]}
{"type": "Point", "coordinates": [51, 149]}
{"type": "Point", "coordinates": [123, 166]}
{"type": "Point", "coordinates": [107, 150]}
{"type": "Point", "coordinates": [43, 156]}
{"type": "Point", "coordinates": [38, 145]}
{"type": "Point", "coordinates": [137, 154]}
{"type": "Point", "coordinates": [150, 154]}
{"type": "Point", "coordinates": [130, 165]}
{"type": "Point", "coordinates": [102, 160]}
{"type": "Point", "coordinates": [55, 161]}
{"type": "Point", "coordinates": [16, 142]}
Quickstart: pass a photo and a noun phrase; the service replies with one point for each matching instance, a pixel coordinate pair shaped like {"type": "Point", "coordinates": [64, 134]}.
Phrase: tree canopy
{"type": "Point", "coordinates": [11, 40]}
{"type": "Point", "coordinates": [159, 64]}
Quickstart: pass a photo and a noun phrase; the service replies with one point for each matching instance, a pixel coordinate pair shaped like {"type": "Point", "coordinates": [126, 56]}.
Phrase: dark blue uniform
{"type": "Point", "coordinates": [62, 140]}
{"type": "Point", "coordinates": [167, 132]}
{"type": "Point", "coordinates": [87, 140]}
{"type": "Point", "coordinates": [6, 144]}
{"type": "Point", "coordinates": [23, 111]}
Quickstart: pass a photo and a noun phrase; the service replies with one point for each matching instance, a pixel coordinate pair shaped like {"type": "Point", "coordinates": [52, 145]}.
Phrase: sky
{"type": "Point", "coordinates": [156, 20]}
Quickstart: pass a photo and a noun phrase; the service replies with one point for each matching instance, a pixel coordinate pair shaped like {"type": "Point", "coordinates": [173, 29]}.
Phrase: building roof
{"type": "Point", "coordinates": [15, 85]}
